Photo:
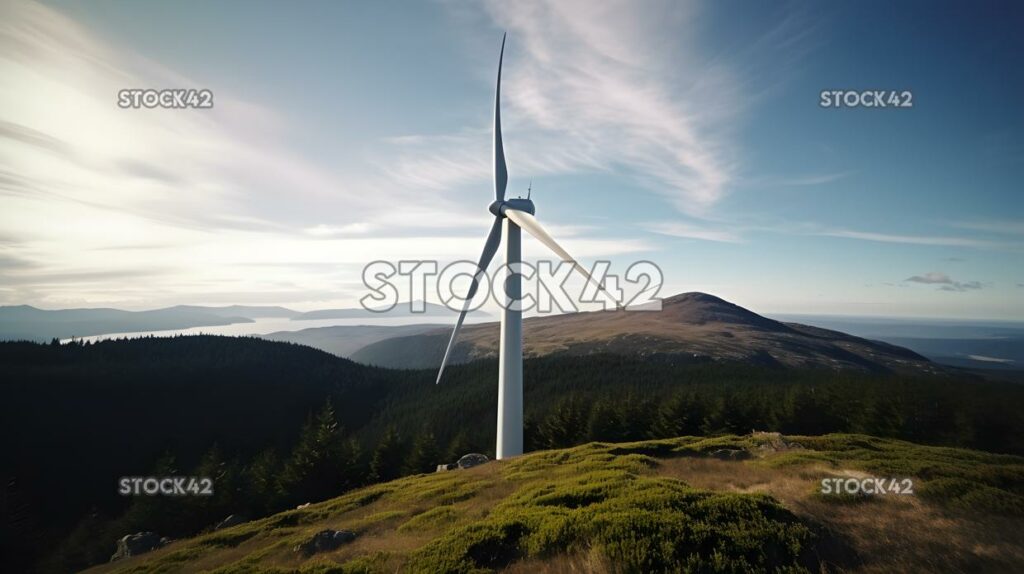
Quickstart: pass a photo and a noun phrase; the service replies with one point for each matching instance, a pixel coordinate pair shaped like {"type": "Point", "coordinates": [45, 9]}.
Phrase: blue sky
{"type": "Point", "coordinates": [688, 134]}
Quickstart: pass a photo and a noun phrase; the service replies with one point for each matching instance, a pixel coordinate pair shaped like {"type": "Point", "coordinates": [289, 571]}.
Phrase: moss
{"type": "Point", "coordinates": [597, 499]}
{"type": "Point", "coordinates": [431, 519]}
{"type": "Point", "coordinates": [641, 523]}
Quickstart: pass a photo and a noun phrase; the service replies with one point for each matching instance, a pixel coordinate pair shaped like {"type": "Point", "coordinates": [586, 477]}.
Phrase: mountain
{"type": "Point", "coordinates": [400, 310]}
{"type": "Point", "coordinates": [695, 326]}
{"type": "Point", "coordinates": [247, 311]}
{"type": "Point", "coordinates": [24, 322]}
{"type": "Point", "coordinates": [344, 340]}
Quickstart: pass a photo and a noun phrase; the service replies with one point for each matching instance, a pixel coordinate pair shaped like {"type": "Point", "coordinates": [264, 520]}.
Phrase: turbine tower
{"type": "Point", "coordinates": [510, 217]}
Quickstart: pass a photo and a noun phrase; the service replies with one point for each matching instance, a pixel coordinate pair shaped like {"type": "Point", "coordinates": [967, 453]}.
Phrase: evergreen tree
{"type": "Point", "coordinates": [388, 457]}
{"type": "Point", "coordinates": [883, 418]}
{"type": "Point", "coordinates": [682, 415]}
{"type": "Point", "coordinates": [425, 455]}
{"type": "Point", "coordinates": [458, 446]}
{"type": "Point", "coordinates": [315, 470]}
{"type": "Point", "coordinates": [566, 425]}
{"type": "Point", "coordinates": [605, 422]}
{"type": "Point", "coordinates": [263, 493]}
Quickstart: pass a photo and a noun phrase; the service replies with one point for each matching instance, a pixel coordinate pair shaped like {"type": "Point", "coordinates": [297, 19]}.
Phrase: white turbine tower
{"type": "Point", "coordinates": [510, 216]}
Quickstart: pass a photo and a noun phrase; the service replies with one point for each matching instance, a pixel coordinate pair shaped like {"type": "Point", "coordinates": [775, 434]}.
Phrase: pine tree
{"type": "Point", "coordinates": [315, 469]}
{"type": "Point", "coordinates": [387, 463]}
{"type": "Point", "coordinates": [459, 445]}
{"type": "Point", "coordinates": [605, 422]}
{"type": "Point", "coordinates": [262, 478]}
{"type": "Point", "coordinates": [566, 425]}
{"type": "Point", "coordinates": [425, 455]}
{"type": "Point", "coordinates": [682, 415]}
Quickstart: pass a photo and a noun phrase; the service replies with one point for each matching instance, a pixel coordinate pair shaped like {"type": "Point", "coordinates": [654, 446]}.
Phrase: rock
{"type": "Point", "coordinates": [301, 506]}
{"type": "Point", "coordinates": [139, 543]}
{"type": "Point", "coordinates": [775, 442]}
{"type": "Point", "coordinates": [231, 520]}
{"type": "Point", "coordinates": [325, 541]}
{"type": "Point", "coordinates": [472, 459]}
{"type": "Point", "coordinates": [445, 467]}
{"type": "Point", "coordinates": [730, 454]}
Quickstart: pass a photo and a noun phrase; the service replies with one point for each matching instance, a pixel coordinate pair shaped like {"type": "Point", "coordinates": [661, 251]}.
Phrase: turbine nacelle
{"type": "Point", "coordinates": [498, 208]}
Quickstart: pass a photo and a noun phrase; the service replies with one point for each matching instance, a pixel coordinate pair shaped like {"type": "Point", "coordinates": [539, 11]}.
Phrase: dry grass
{"type": "Point", "coordinates": [885, 533]}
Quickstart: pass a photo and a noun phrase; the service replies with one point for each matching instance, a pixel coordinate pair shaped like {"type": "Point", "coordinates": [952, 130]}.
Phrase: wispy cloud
{"type": "Point", "coordinates": [594, 87]}
{"type": "Point", "coordinates": [949, 241]}
{"type": "Point", "coordinates": [1007, 227]}
{"type": "Point", "coordinates": [944, 282]}
{"type": "Point", "coordinates": [692, 231]}
{"type": "Point", "coordinates": [800, 180]}
{"type": "Point", "coordinates": [213, 195]}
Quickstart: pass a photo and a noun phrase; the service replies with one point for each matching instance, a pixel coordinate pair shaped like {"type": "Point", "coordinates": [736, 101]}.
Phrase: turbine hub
{"type": "Point", "coordinates": [498, 207]}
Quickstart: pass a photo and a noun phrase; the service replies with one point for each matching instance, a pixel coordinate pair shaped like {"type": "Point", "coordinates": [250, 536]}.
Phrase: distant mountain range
{"type": "Point", "coordinates": [24, 322]}
{"type": "Point", "coordinates": [694, 326]}
{"type": "Point", "coordinates": [400, 310]}
{"type": "Point", "coordinates": [346, 340]}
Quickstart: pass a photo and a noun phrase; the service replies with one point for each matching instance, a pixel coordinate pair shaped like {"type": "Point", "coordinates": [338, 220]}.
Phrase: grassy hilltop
{"type": "Point", "coordinates": [665, 505]}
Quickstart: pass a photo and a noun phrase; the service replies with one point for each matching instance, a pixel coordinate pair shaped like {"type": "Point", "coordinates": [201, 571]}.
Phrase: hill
{"type": "Point", "coordinates": [697, 326]}
{"type": "Point", "coordinates": [242, 409]}
{"type": "Point", "coordinates": [247, 311]}
{"type": "Point", "coordinates": [345, 340]}
{"type": "Point", "coordinates": [27, 323]}
{"type": "Point", "coordinates": [403, 309]}
{"type": "Point", "coordinates": [669, 505]}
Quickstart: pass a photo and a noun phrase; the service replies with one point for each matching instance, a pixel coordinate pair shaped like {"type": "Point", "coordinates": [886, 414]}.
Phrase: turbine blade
{"type": "Point", "coordinates": [534, 228]}
{"type": "Point", "coordinates": [490, 248]}
{"type": "Point", "coordinates": [500, 169]}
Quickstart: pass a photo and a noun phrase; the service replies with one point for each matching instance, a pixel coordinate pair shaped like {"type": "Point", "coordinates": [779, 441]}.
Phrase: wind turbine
{"type": "Point", "coordinates": [510, 217]}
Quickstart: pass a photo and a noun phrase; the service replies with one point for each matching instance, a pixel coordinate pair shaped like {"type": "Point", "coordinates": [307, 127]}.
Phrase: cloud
{"type": "Point", "coordinates": [92, 194]}
{"type": "Point", "coordinates": [596, 87]}
{"type": "Point", "coordinates": [944, 282]}
{"type": "Point", "coordinates": [805, 180]}
{"type": "Point", "coordinates": [930, 278]}
{"type": "Point", "coordinates": [949, 241]}
{"type": "Point", "coordinates": [1007, 227]}
{"type": "Point", "coordinates": [690, 231]}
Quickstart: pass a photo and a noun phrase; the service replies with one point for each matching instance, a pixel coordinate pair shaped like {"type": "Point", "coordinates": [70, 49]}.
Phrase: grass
{"type": "Point", "coordinates": [651, 506]}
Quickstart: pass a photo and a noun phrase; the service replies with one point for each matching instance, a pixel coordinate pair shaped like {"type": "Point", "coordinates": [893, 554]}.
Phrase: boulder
{"type": "Point", "coordinates": [139, 543]}
{"type": "Point", "coordinates": [325, 541]}
{"type": "Point", "coordinates": [472, 459]}
{"type": "Point", "coordinates": [774, 442]}
{"type": "Point", "coordinates": [730, 454]}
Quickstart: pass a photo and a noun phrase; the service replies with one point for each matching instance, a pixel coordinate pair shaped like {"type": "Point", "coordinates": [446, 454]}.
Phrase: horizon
{"type": "Point", "coordinates": [696, 127]}
{"type": "Point", "coordinates": [487, 315]}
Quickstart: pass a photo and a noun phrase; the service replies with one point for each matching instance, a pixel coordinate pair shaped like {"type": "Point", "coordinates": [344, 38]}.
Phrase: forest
{"type": "Point", "coordinates": [276, 425]}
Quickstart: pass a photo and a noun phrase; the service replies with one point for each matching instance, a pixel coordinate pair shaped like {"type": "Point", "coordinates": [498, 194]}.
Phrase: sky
{"type": "Point", "coordinates": [686, 134]}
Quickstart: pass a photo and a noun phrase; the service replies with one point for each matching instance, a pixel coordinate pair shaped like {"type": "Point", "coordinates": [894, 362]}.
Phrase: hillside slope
{"type": "Point", "coordinates": [652, 506]}
{"type": "Point", "coordinates": [698, 326]}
